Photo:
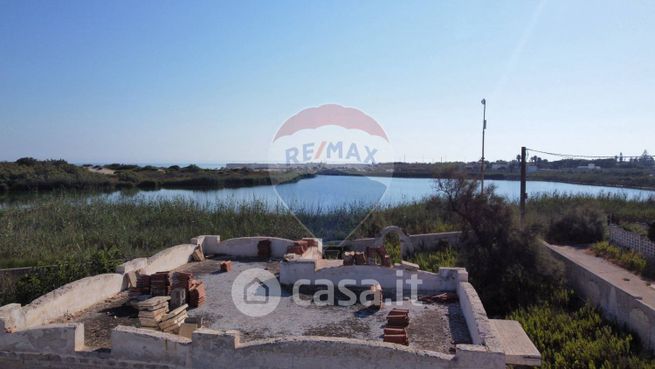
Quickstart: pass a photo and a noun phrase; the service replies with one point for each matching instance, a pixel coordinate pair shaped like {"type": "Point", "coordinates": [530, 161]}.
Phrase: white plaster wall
{"type": "Point", "coordinates": [615, 302]}
{"type": "Point", "coordinates": [169, 259]}
{"type": "Point", "coordinates": [480, 328]}
{"type": "Point", "coordinates": [223, 349]}
{"type": "Point", "coordinates": [446, 280]}
{"type": "Point", "coordinates": [247, 246]}
{"type": "Point", "coordinates": [138, 348]}
{"type": "Point", "coordinates": [71, 298]}
{"type": "Point", "coordinates": [132, 265]}
{"type": "Point", "coordinates": [55, 338]}
{"type": "Point", "coordinates": [132, 343]}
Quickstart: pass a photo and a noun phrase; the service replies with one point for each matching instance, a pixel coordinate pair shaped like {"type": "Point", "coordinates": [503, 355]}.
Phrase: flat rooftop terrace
{"type": "Point", "coordinates": [434, 327]}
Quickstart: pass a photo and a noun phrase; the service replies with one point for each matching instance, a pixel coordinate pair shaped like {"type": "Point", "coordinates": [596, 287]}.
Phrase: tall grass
{"type": "Point", "coordinates": [46, 231]}
{"type": "Point", "coordinates": [621, 208]}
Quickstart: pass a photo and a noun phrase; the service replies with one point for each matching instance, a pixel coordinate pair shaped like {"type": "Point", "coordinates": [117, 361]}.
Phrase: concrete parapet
{"type": "Point", "coordinates": [132, 265]}
{"type": "Point", "coordinates": [218, 349]}
{"type": "Point", "coordinates": [54, 338]}
{"type": "Point", "coordinates": [169, 259]}
{"type": "Point", "coordinates": [130, 343]}
{"type": "Point", "coordinates": [247, 246]}
{"type": "Point", "coordinates": [70, 298]}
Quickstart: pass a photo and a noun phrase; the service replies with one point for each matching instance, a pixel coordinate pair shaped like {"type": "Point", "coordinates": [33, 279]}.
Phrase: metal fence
{"type": "Point", "coordinates": [633, 241]}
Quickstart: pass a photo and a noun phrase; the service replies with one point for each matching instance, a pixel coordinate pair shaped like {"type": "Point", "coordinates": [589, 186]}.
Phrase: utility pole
{"type": "Point", "coordinates": [484, 127]}
{"type": "Point", "coordinates": [524, 194]}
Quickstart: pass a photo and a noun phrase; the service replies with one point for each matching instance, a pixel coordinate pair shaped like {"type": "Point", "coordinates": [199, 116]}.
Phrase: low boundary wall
{"type": "Point", "coordinates": [68, 299]}
{"type": "Point", "coordinates": [60, 347]}
{"type": "Point", "coordinates": [446, 280]}
{"type": "Point", "coordinates": [615, 302]}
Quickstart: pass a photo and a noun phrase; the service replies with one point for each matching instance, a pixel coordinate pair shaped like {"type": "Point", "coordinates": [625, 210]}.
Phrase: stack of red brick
{"type": "Point", "coordinates": [226, 266]}
{"type": "Point", "coordinates": [196, 293]}
{"type": "Point", "coordinates": [160, 284]}
{"type": "Point", "coordinates": [397, 321]}
{"type": "Point", "coordinates": [142, 286]}
{"type": "Point", "coordinates": [182, 280]}
{"type": "Point", "coordinates": [298, 247]}
{"type": "Point", "coordinates": [378, 252]}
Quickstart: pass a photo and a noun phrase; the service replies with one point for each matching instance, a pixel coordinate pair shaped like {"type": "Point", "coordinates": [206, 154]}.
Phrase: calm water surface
{"type": "Point", "coordinates": [325, 192]}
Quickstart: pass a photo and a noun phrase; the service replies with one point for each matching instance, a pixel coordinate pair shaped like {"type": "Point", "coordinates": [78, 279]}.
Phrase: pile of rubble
{"type": "Point", "coordinates": [395, 331]}
{"type": "Point", "coordinates": [441, 298]}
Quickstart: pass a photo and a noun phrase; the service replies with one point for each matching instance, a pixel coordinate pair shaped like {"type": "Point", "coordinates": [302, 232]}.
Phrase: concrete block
{"type": "Point", "coordinates": [129, 343]}
{"type": "Point", "coordinates": [54, 338]}
{"type": "Point", "coordinates": [518, 348]}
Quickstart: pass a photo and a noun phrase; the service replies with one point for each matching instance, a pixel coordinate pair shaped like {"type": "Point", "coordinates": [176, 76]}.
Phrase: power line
{"type": "Point", "coordinates": [574, 156]}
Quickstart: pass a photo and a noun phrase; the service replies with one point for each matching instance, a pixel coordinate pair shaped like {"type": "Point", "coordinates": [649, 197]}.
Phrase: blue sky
{"type": "Point", "coordinates": [211, 81]}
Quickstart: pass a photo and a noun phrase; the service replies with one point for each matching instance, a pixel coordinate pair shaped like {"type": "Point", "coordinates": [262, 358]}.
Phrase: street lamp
{"type": "Point", "coordinates": [484, 127]}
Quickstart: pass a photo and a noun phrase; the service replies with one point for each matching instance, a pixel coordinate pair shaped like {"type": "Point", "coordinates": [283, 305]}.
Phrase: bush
{"type": "Point", "coordinates": [578, 338]}
{"type": "Point", "coordinates": [26, 161]}
{"type": "Point", "coordinates": [651, 232]}
{"type": "Point", "coordinates": [627, 259]}
{"type": "Point", "coordinates": [48, 278]}
{"type": "Point", "coordinates": [579, 225]}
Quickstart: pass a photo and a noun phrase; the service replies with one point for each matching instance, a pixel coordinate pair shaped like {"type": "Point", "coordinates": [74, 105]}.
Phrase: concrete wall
{"type": "Point", "coordinates": [446, 280]}
{"type": "Point", "coordinates": [129, 343]}
{"type": "Point", "coordinates": [167, 259]}
{"type": "Point", "coordinates": [247, 246]}
{"type": "Point", "coordinates": [170, 258]}
{"type": "Point", "coordinates": [140, 348]}
{"type": "Point", "coordinates": [616, 303]}
{"type": "Point", "coordinates": [55, 338]}
{"type": "Point", "coordinates": [68, 299]}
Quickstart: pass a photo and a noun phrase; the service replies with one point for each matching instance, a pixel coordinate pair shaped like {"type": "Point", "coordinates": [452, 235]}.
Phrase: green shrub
{"type": "Point", "coordinates": [651, 232]}
{"type": "Point", "coordinates": [627, 259]}
{"type": "Point", "coordinates": [578, 338]}
{"type": "Point", "coordinates": [635, 228]}
{"type": "Point", "coordinates": [577, 226]}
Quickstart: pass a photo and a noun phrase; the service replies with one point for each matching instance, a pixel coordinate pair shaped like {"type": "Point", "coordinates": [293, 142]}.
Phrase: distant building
{"type": "Point", "coordinates": [588, 167]}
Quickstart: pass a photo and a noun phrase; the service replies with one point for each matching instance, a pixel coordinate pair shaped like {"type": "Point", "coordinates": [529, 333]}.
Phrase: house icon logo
{"type": "Point", "coordinates": [256, 292]}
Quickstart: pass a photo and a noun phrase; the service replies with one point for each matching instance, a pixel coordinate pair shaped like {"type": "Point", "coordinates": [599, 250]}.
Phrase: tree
{"type": "Point", "coordinates": [508, 267]}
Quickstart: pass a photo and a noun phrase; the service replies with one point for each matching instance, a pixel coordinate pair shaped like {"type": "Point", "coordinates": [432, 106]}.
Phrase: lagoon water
{"type": "Point", "coordinates": [326, 192]}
